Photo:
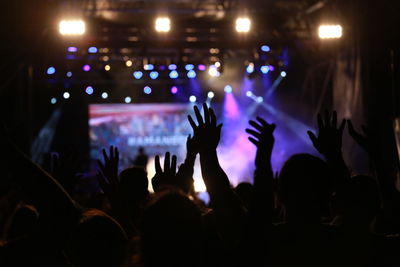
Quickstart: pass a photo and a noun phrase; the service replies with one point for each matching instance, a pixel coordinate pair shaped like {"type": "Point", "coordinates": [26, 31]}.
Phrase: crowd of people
{"type": "Point", "coordinates": [315, 212]}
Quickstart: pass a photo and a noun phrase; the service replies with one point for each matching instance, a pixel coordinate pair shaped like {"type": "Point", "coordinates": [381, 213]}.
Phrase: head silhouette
{"type": "Point", "coordinates": [305, 187]}
{"type": "Point", "coordinates": [245, 193]}
{"type": "Point", "coordinates": [134, 184]}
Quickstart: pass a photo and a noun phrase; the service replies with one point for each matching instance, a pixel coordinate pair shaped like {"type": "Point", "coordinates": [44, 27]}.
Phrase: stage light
{"type": "Point", "coordinates": [330, 31]}
{"type": "Point", "coordinates": [147, 90]}
{"type": "Point", "coordinates": [250, 68]}
{"type": "Point", "coordinates": [105, 58]}
{"type": "Point", "coordinates": [89, 90]}
{"type": "Point", "coordinates": [51, 70]}
{"type": "Point", "coordinates": [66, 95]}
{"type": "Point", "coordinates": [264, 69]}
{"type": "Point", "coordinates": [86, 67]}
{"type": "Point", "coordinates": [249, 93]}
{"type": "Point", "coordinates": [104, 95]}
{"type": "Point", "coordinates": [71, 27]}
{"type": "Point", "coordinates": [228, 89]}
{"type": "Point", "coordinates": [128, 63]}
{"type": "Point", "coordinates": [174, 89]}
{"type": "Point", "coordinates": [271, 68]}
{"type": "Point", "coordinates": [217, 64]}
{"type": "Point", "coordinates": [191, 74]}
{"type": "Point", "coordinates": [69, 74]}
{"type": "Point", "coordinates": [148, 67]}
{"type": "Point", "coordinates": [107, 67]}
{"type": "Point", "coordinates": [72, 49]}
{"type": "Point", "coordinates": [259, 99]}
{"type": "Point", "coordinates": [128, 99]}
{"type": "Point", "coordinates": [92, 50]}
{"type": "Point", "coordinates": [202, 67]}
{"type": "Point", "coordinates": [172, 67]}
{"type": "Point", "coordinates": [265, 48]}
{"type": "Point", "coordinates": [173, 74]}
{"type": "Point", "coordinates": [53, 100]}
{"type": "Point", "coordinates": [192, 99]}
{"type": "Point", "coordinates": [163, 24]}
{"type": "Point", "coordinates": [213, 71]}
{"type": "Point", "coordinates": [210, 94]}
{"type": "Point", "coordinates": [154, 75]}
{"type": "Point", "coordinates": [243, 25]}
{"type": "Point", "coordinates": [138, 74]}
{"type": "Point", "coordinates": [283, 73]}
{"type": "Point", "coordinates": [189, 67]}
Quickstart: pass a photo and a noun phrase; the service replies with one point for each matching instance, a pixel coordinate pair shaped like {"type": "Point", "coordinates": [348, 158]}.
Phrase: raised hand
{"type": "Point", "coordinates": [168, 175]}
{"type": "Point", "coordinates": [206, 132]}
{"type": "Point", "coordinates": [65, 170]}
{"type": "Point", "coordinates": [329, 139]}
{"type": "Point", "coordinates": [262, 137]}
{"type": "Point", "coordinates": [362, 140]}
{"type": "Point", "coordinates": [108, 173]}
{"type": "Point", "coordinates": [192, 146]}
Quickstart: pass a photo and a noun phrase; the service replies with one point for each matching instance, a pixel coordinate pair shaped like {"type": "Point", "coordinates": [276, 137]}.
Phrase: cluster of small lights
{"type": "Point", "coordinates": [264, 69]}
{"type": "Point", "coordinates": [189, 67]}
{"type": "Point", "coordinates": [250, 68]}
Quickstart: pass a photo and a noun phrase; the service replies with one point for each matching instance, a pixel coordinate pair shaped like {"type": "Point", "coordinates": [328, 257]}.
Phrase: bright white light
{"type": "Point", "coordinates": [128, 63]}
{"type": "Point", "coordinates": [69, 74]}
{"type": "Point", "coordinates": [148, 67]}
{"type": "Point", "coordinates": [128, 99]}
{"type": "Point", "coordinates": [259, 99]}
{"type": "Point", "coordinates": [89, 90]}
{"type": "Point", "coordinates": [243, 24]}
{"type": "Point", "coordinates": [228, 89]}
{"type": "Point", "coordinates": [72, 27]}
{"type": "Point", "coordinates": [250, 68]}
{"type": "Point", "coordinates": [163, 24]}
{"type": "Point", "coordinates": [213, 71]}
{"type": "Point", "coordinates": [66, 95]}
{"type": "Point", "coordinates": [217, 64]}
{"type": "Point", "coordinates": [199, 185]}
{"type": "Point", "coordinates": [107, 67]}
{"type": "Point", "coordinates": [53, 100]}
{"type": "Point", "coordinates": [192, 99]}
{"type": "Point", "coordinates": [104, 95]}
{"type": "Point", "coordinates": [283, 73]}
{"type": "Point", "coordinates": [330, 31]}
{"type": "Point", "coordinates": [210, 94]}
{"type": "Point", "coordinates": [249, 93]}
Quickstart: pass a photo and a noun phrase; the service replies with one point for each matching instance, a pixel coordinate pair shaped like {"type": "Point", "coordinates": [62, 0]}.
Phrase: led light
{"type": "Point", "coordinates": [72, 49]}
{"type": "Point", "coordinates": [107, 67]}
{"type": "Point", "coordinates": [89, 90]}
{"type": "Point", "coordinates": [264, 69]}
{"type": "Point", "coordinates": [66, 95]}
{"type": "Point", "coordinates": [128, 63]}
{"type": "Point", "coordinates": [163, 24]}
{"type": "Point", "coordinates": [53, 100]}
{"type": "Point", "coordinates": [86, 67]}
{"type": "Point", "coordinates": [189, 67]}
{"type": "Point", "coordinates": [243, 25]}
{"type": "Point", "coordinates": [104, 95]}
{"type": "Point", "coordinates": [147, 90]}
{"type": "Point", "coordinates": [51, 70]}
{"type": "Point", "coordinates": [330, 31]}
{"type": "Point", "coordinates": [201, 67]}
{"type": "Point", "coordinates": [128, 99]}
{"type": "Point", "coordinates": [213, 71]}
{"type": "Point", "coordinates": [92, 49]}
{"type": "Point", "coordinates": [174, 89]}
{"type": "Point", "coordinates": [173, 74]}
{"type": "Point", "coordinates": [228, 89]}
{"type": "Point", "coordinates": [249, 93]}
{"type": "Point", "coordinates": [283, 73]}
{"type": "Point", "coordinates": [192, 99]}
{"type": "Point", "coordinates": [259, 99]}
{"type": "Point", "coordinates": [148, 67]}
{"type": "Point", "coordinates": [71, 27]}
{"type": "Point", "coordinates": [138, 75]}
{"type": "Point", "coordinates": [265, 48]}
{"type": "Point", "coordinates": [191, 74]}
{"type": "Point", "coordinates": [172, 67]}
{"type": "Point", "coordinates": [250, 68]}
{"type": "Point", "coordinates": [210, 94]}
{"type": "Point", "coordinates": [69, 74]}
{"type": "Point", "coordinates": [217, 64]}
{"type": "Point", "coordinates": [154, 75]}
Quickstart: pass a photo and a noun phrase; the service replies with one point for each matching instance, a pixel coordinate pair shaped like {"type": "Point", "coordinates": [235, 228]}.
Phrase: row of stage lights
{"type": "Point", "coordinates": [163, 25]}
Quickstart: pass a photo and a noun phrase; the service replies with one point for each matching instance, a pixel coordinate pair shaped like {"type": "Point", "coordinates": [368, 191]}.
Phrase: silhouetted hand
{"type": "Point", "coordinates": [168, 175]}
{"type": "Point", "coordinates": [206, 132]}
{"type": "Point", "coordinates": [329, 140]}
{"type": "Point", "coordinates": [108, 173]}
{"type": "Point", "coordinates": [192, 146]}
{"type": "Point", "coordinates": [65, 170]}
{"type": "Point", "coordinates": [362, 140]}
{"type": "Point", "coordinates": [262, 137]}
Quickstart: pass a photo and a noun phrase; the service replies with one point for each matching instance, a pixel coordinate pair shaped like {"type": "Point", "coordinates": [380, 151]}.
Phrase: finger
{"type": "Point", "coordinates": [105, 155]}
{"type": "Point", "coordinates": [256, 125]}
{"type": "Point", "coordinates": [312, 136]}
{"type": "Point", "coordinates": [101, 165]}
{"type": "Point", "coordinates": [213, 118]}
{"type": "Point", "coordinates": [167, 162]}
{"type": "Point", "coordinates": [254, 141]}
{"type": "Point", "coordinates": [327, 120]}
{"type": "Point", "coordinates": [253, 133]}
{"type": "Point", "coordinates": [192, 123]}
{"type": "Point", "coordinates": [219, 127]}
{"type": "Point", "coordinates": [342, 125]}
{"type": "Point", "coordinates": [173, 164]}
{"type": "Point", "coordinates": [263, 122]}
{"type": "Point", "coordinates": [334, 119]}
{"type": "Point", "coordinates": [320, 123]}
{"type": "Point", "coordinates": [272, 127]}
{"type": "Point", "coordinates": [157, 164]}
{"type": "Point", "coordinates": [116, 154]}
{"type": "Point", "coordinates": [198, 115]}
{"type": "Point", "coordinates": [206, 114]}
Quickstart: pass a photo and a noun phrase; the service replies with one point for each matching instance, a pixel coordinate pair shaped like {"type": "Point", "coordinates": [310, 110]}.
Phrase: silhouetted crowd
{"type": "Point", "coordinates": [314, 213]}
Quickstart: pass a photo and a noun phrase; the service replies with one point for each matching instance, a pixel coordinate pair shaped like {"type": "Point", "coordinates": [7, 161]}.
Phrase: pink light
{"type": "Point", "coordinates": [201, 67]}
{"type": "Point", "coordinates": [86, 67]}
{"type": "Point", "coordinates": [231, 108]}
{"type": "Point", "coordinates": [174, 89]}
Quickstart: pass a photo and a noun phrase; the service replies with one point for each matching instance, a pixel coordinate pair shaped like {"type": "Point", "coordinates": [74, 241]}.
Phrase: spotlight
{"type": "Point", "coordinates": [89, 90]}
{"type": "Point", "coordinates": [172, 67]}
{"type": "Point", "coordinates": [148, 67]}
{"type": "Point", "coordinates": [191, 74]}
{"type": "Point", "coordinates": [53, 100]}
{"type": "Point", "coordinates": [72, 49]}
{"type": "Point", "coordinates": [69, 74]}
{"type": "Point", "coordinates": [210, 94]}
{"type": "Point", "coordinates": [163, 24]}
{"type": "Point", "coordinates": [138, 75]}
{"type": "Point", "coordinates": [201, 67]}
{"type": "Point", "coordinates": [228, 89]}
{"type": "Point", "coordinates": [192, 99]}
{"type": "Point", "coordinates": [259, 99]}
{"type": "Point", "coordinates": [265, 48]}
{"type": "Point", "coordinates": [147, 90]}
{"type": "Point", "coordinates": [271, 68]}
{"type": "Point", "coordinates": [128, 63]}
{"type": "Point", "coordinates": [92, 49]}
{"type": "Point", "coordinates": [249, 93]}
{"type": "Point", "coordinates": [71, 27]}
{"type": "Point", "coordinates": [104, 95]}
{"type": "Point", "coordinates": [213, 71]}
{"type": "Point", "coordinates": [154, 75]}
{"type": "Point", "coordinates": [107, 67]}
{"type": "Point", "coordinates": [243, 25]}
{"type": "Point", "coordinates": [86, 67]}
{"type": "Point", "coordinates": [128, 99]}
{"type": "Point", "coordinates": [51, 70]}
{"type": "Point", "coordinates": [264, 69]}
{"type": "Point", "coordinates": [217, 64]}
{"type": "Point", "coordinates": [189, 67]}
{"type": "Point", "coordinates": [250, 68]}
{"type": "Point", "coordinates": [283, 73]}
{"type": "Point", "coordinates": [173, 74]}
{"type": "Point", "coordinates": [174, 89]}
{"type": "Point", "coordinates": [66, 95]}
{"type": "Point", "coordinates": [330, 31]}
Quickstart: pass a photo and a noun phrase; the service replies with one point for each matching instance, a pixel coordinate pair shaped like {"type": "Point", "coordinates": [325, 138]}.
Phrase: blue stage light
{"type": "Point", "coordinates": [189, 67]}
{"type": "Point", "coordinates": [69, 74]}
{"type": "Point", "coordinates": [265, 48]}
{"type": "Point", "coordinates": [154, 75]}
{"type": "Point", "coordinates": [72, 49]}
{"type": "Point", "coordinates": [283, 73]}
{"type": "Point", "coordinates": [148, 67]}
{"type": "Point", "coordinates": [92, 49]}
{"type": "Point", "coordinates": [228, 89]}
{"type": "Point", "coordinates": [138, 75]}
{"type": "Point", "coordinates": [191, 74]}
{"type": "Point", "coordinates": [172, 67]}
{"type": "Point", "coordinates": [89, 90]}
{"type": "Point", "coordinates": [264, 69]}
{"type": "Point", "coordinates": [147, 90]}
{"type": "Point", "coordinates": [173, 74]}
{"type": "Point", "coordinates": [51, 70]}
{"type": "Point", "coordinates": [250, 68]}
